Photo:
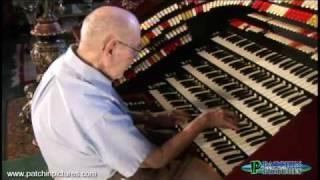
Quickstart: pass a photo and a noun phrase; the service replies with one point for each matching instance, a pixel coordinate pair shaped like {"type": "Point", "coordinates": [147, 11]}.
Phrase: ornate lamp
{"type": "Point", "coordinates": [47, 47]}
{"type": "Point", "coordinates": [131, 4]}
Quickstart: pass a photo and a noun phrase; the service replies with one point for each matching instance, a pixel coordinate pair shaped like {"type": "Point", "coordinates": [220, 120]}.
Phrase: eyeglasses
{"type": "Point", "coordinates": [127, 45]}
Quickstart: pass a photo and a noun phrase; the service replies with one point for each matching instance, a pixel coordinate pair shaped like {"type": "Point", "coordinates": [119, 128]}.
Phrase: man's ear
{"type": "Point", "coordinates": [109, 45]}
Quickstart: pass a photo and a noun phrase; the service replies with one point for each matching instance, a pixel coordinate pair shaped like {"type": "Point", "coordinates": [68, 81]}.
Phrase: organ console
{"type": "Point", "coordinates": [257, 58]}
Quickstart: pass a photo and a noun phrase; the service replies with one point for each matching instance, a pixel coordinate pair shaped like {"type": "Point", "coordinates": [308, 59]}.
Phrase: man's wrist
{"type": "Point", "coordinates": [197, 125]}
{"type": "Point", "coordinates": [147, 116]}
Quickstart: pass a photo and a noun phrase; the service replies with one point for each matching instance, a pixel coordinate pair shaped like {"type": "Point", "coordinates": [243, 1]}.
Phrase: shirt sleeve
{"type": "Point", "coordinates": [119, 143]}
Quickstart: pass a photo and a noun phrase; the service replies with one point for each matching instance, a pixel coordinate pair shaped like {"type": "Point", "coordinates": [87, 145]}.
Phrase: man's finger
{"type": "Point", "coordinates": [231, 115]}
{"type": "Point", "coordinates": [229, 123]}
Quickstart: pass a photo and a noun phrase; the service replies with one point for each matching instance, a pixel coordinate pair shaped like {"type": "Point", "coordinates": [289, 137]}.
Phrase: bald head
{"type": "Point", "coordinates": [109, 40]}
{"type": "Point", "coordinates": [106, 21]}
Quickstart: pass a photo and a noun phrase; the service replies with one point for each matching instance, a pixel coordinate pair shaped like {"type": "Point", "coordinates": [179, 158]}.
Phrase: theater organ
{"type": "Point", "coordinates": [255, 57]}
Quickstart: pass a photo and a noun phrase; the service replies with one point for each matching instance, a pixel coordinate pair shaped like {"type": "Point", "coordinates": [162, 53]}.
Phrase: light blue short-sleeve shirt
{"type": "Point", "coordinates": [81, 124]}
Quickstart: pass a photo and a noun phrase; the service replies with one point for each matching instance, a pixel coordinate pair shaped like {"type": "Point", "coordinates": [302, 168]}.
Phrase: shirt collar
{"type": "Point", "coordinates": [87, 72]}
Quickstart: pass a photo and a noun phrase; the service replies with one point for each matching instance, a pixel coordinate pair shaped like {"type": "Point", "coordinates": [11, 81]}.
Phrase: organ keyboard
{"type": "Point", "coordinates": [240, 68]}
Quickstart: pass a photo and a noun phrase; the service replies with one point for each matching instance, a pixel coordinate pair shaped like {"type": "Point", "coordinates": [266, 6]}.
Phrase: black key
{"type": "Point", "coordinates": [280, 121]}
{"type": "Point", "coordinates": [205, 96]}
{"type": "Point", "coordinates": [222, 80]}
{"type": "Point", "coordinates": [213, 103]}
{"type": "Point", "coordinates": [249, 132]}
{"type": "Point", "coordinates": [248, 70]}
{"type": "Point", "coordinates": [275, 118]}
{"type": "Point", "coordinates": [283, 64]}
{"type": "Point", "coordinates": [178, 103]}
{"type": "Point", "coordinates": [260, 76]}
{"type": "Point", "coordinates": [272, 84]}
{"type": "Point", "coordinates": [231, 156]}
{"type": "Point", "coordinates": [241, 66]}
{"type": "Point", "coordinates": [189, 83]}
{"type": "Point", "coordinates": [234, 39]}
{"type": "Point", "coordinates": [171, 96]}
{"type": "Point", "coordinates": [290, 64]}
{"type": "Point", "coordinates": [248, 47]}
{"type": "Point", "coordinates": [225, 150]}
{"type": "Point", "coordinates": [245, 128]}
{"type": "Point", "coordinates": [296, 68]}
{"type": "Point", "coordinates": [300, 101]}
{"type": "Point", "coordinates": [315, 81]}
{"type": "Point", "coordinates": [272, 57]}
{"type": "Point", "coordinates": [253, 75]}
{"type": "Point", "coordinates": [253, 48]}
{"type": "Point", "coordinates": [269, 82]}
{"type": "Point", "coordinates": [255, 138]}
{"type": "Point", "coordinates": [307, 72]}
{"type": "Point", "coordinates": [267, 113]}
{"type": "Point", "coordinates": [229, 59]}
{"type": "Point", "coordinates": [254, 103]}
{"type": "Point", "coordinates": [279, 60]}
{"type": "Point", "coordinates": [284, 90]}
{"type": "Point", "coordinates": [243, 43]}
{"type": "Point", "coordinates": [245, 96]}
{"type": "Point", "coordinates": [257, 142]}
{"type": "Point", "coordinates": [213, 74]}
{"type": "Point", "coordinates": [302, 70]}
{"type": "Point", "coordinates": [294, 98]}
{"type": "Point", "coordinates": [205, 69]}
{"type": "Point", "coordinates": [213, 49]}
{"type": "Point", "coordinates": [261, 107]}
{"type": "Point", "coordinates": [312, 78]}
{"type": "Point", "coordinates": [264, 53]}
{"type": "Point", "coordinates": [220, 55]}
{"type": "Point", "coordinates": [223, 147]}
{"type": "Point", "coordinates": [219, 143]}
{"type": "Point", "coordinates": [196, 89]}
{"type": "Point", "coordinates": [231, 86]}
{"type": "Point", "coordinates": [212, 136]}
{"type": "Point", "coordinates": [224, 34]}
{"type": "Point", "coordinates": [236, 160]}
{"type": "Point", "coordinates": [279, 88]}
{"type": "Point", "coordinates": [237, 64]}
{"type": "Point", "coordinates": [181, 77]}
{"type": "Point", "coordinates": [263, 78]}
{"type": "Point", "coordinates": [240, 92]}
{"type": "Point", "coordinates": [288, 93]}
{"type": "Point", "coordinates": [165, 89]}
{"type": "Point", "coordinates": [244, 93]}
{"type": "Point", "coordinates": [251, 100]}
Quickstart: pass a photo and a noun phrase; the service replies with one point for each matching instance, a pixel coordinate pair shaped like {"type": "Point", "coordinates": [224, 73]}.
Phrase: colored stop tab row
{"type": "Point", "coordinates": [298, 15]}
{"type": "Point", "coordinates": [290, 13]}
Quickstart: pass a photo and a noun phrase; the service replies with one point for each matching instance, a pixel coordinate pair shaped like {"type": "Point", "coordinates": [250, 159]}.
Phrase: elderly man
{"type": "Point", "coordinates": [81, 124]}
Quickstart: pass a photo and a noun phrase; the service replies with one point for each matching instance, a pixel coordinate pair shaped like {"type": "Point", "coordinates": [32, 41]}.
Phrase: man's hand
{"type": "Point", "coordinates": [216, 117]}
{"type": "Point", "coordinates": [220, 118]}
{"type": "Point", "coordinates": [168, 119]}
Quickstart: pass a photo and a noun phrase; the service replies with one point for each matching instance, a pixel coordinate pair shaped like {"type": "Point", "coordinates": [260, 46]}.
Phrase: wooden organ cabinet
{"type": "Point", "coordinates": [258, 58]}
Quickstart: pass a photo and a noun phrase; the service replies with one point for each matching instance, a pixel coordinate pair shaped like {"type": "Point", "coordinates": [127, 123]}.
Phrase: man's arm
{"type": "Point", "coordinates": [140, 117]}
{"type": "Point", "coordinates": [164, 119]}
{"type": "Point", "coordinates": [161, 156]}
